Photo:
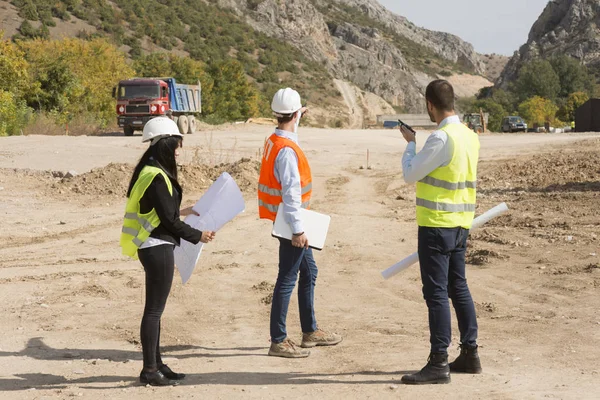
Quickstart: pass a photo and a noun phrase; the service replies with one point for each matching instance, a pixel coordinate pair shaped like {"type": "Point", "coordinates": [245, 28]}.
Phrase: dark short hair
{"type": "Point", "coordinates": [441, 94]}
{"type": "Point", "coordinates": [285, 119]}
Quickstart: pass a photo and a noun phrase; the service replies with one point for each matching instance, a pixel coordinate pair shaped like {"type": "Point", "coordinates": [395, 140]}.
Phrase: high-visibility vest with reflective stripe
{"type": "Point", "coordinates": [136, 226]}
{"type": "Point", "coordinates": [446, 197]}
{"type": "Point", "coordinates": [269, 190]}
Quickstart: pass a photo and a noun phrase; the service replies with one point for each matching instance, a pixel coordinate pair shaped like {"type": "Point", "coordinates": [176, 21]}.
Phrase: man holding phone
{"type": "Point", "coordinates": [445, 172]}
{"type": "Point", "coordinates": [285, 178]}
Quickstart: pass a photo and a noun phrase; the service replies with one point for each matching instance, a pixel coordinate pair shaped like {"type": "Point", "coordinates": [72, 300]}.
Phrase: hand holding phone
{"type": "Point", "coordinates": [408, 132]}
{"type": "Point", "coordinates": [402, 124]}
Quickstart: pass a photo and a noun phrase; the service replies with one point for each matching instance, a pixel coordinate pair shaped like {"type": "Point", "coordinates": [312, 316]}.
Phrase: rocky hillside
{"type": "Point", "coordinates": [564, 27]}
{"type": "Point", "coordinates": [373, 60]}
{"type": "Point", "coordinates": [365, 44]}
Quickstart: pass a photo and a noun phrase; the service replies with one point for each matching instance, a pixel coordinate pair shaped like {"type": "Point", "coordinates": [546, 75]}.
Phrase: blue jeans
{"type": "Point", "coordinates": [291, 261]}
{"type": "Point", "coordinates": [442, 259]}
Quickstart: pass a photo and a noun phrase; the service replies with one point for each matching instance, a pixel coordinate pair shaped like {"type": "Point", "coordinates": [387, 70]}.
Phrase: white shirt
{"type": "Point", "coordinates": [437, 152]}
{"type": "Point", "coordinates": [152, 242]}
{"type": "Point", "coordinates": [288, 175]}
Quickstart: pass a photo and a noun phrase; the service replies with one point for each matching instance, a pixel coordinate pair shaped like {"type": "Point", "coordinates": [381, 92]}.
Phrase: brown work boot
{"type": "Point", "coordinates": [320, 338]}
{"type": "Point", "coordinates": [287, 349]}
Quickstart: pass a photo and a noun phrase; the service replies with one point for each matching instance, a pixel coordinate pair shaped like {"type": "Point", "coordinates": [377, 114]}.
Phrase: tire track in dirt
{"type": "Point", "coordinates": [12, 242]}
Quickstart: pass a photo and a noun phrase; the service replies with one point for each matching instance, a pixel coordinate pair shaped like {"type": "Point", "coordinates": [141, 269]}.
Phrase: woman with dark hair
{"type": "Point", "coordinates": [151, 230]}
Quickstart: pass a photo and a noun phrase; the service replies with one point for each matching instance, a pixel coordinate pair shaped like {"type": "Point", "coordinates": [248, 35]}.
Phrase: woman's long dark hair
{"type": "Point", "coordinates": [161, 155]}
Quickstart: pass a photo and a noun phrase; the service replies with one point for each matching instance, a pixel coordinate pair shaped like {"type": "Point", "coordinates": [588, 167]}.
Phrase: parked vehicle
{"type": "Point", "coordinates": [141, 99]}
{"type": "Point", "coordinates": [474, 122]}
{"type": "Point", "coordinates": [390, 124]}
{"type": "Point", "coordinates": [513, 124]}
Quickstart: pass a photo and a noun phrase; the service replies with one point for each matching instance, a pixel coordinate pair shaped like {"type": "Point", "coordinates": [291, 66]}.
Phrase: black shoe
{"type": "Point", "coordinates": [156, 379]}
{"type": "Point", "coordinates": [436, 371]}
{"type": "Point", "coordinates": [468, 361]}
{"type": "Point", "coordinates": [168, 373]}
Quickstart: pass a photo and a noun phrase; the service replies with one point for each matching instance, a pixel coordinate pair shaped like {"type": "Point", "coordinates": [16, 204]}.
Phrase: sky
{"type": "Point", "coordinates": [499, 27]}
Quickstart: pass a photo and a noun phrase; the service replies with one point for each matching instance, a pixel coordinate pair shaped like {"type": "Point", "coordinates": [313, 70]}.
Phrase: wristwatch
{"type": "Point", "coordinates": [298, 234]}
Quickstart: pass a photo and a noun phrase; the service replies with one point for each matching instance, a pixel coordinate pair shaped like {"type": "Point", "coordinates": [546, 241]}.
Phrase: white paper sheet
{"type": "Point", "coordinates": [414, 257]}
{"type": "Point", "coordinates": [221, 203]}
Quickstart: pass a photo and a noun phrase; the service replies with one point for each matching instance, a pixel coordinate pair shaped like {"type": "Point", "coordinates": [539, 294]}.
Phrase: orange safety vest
{"type": "Point", "coordinates": [269, 190]}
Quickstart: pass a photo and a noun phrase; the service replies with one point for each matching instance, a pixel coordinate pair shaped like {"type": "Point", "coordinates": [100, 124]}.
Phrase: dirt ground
{"type": "Point", "coordinates": [71, 304]}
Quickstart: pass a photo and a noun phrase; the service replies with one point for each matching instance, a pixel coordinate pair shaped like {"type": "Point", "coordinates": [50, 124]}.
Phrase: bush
{"type": "Point", "coordinates": [14, 114]}
{"type": "Point", "coordinates": [538, 111]}
{"type": "Point", "coordinates": [573, 102]}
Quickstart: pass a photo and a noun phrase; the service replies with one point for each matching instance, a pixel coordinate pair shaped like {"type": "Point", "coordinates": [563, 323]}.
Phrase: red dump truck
{"type": "Point", "coordinates": [141, 99]}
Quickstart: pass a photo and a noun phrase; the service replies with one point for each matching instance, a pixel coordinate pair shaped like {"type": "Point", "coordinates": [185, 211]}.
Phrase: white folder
{"type": "Point", "coordinates": [315, 225]}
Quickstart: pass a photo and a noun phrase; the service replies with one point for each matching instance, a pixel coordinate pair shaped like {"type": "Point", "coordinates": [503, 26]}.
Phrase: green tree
{"type": "Point", "coordinates": [14, 69]}
{"type": "Point", "coordinates": [505, 99]}
{"type": "Point", "coordinates": [538, 110]}
{"type": "Point", "coordinates": [495, 110]}
{"type": "Point", "coordinates": [183, 69]}
{"type": "Point", "coordinates": [234, 97]}
{"type": "Point", "coordinates": [575, 100]}
{"type": "Point", "coordinates": [75, 76]}
{"type": "Point", "coordinates": [537, 78]}
{"type": "Point", "coordinates": [573, 76]}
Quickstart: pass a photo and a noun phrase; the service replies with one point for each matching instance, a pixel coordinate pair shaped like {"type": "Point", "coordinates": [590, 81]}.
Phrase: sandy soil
{"type": "Point", "coordinates": [466, 85]}
{"type": "Point", "coordinates": [71, 305]}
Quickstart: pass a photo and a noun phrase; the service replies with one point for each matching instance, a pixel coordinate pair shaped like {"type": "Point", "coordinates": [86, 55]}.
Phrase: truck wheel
{"type": "Point", "coordinates": [128, 130]}
{"type": "Point", "coordinates": [182, 123]}
{"type": "Point", "coordinates": [191, 123]}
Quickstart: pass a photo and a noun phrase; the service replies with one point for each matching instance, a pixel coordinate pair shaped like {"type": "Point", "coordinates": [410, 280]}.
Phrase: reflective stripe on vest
{"type": "Point", "coordinates": [277, 192]}
{"type": "Point", "coordinates": [446, 197]}
{"type": "Point", "coordinates": [137, 227]}
{"type": "Point", "coordinates": [270, 194]}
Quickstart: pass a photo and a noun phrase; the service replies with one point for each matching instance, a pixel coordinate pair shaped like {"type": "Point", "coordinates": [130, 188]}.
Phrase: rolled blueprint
{"type": "Point", "coordinates": [414, 257]}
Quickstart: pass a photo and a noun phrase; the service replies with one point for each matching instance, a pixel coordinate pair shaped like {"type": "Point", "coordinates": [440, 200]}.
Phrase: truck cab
{"type": "Point", "coordinates": [141, 99]}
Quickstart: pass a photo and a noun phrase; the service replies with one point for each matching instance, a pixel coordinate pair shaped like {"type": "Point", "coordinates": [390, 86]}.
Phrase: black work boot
{"type": "Point", "coordinates": [436, 371]}
{"type": "Point", "coordinates": [467, 362]}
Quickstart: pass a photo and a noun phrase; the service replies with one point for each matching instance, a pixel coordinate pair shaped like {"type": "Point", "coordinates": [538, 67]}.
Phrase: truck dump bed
{"type": "Point", "coordinates": [184, 98]}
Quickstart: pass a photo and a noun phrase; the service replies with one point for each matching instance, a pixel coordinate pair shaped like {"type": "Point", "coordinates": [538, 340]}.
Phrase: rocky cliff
{"type": "Point", "coordinates": [363, 43]}
{"type": "Point", "coordinates": [564, 27]}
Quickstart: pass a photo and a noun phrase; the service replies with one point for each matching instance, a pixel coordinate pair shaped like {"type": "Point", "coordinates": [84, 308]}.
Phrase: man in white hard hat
{"type": "Point", "coordinates": [285, 177]}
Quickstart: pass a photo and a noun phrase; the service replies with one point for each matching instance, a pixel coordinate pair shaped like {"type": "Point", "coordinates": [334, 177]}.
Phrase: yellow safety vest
{"type": "Point", "coordinates": [136, 226]}
{"type": "Point", "coordinates": [446, 197]}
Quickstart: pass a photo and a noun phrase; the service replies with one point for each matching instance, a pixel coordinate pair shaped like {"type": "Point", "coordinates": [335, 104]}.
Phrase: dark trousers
{"type": "Point", "coordinates": [442, 259]}
{"type": "Point", "coordinates": [291, 261]}
{"type": "Point", "coordinates": [159, 264]}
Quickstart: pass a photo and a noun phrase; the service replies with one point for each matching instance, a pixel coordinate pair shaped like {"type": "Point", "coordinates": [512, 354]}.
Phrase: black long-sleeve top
{"type": "Point", "coordinates": [171, 228]}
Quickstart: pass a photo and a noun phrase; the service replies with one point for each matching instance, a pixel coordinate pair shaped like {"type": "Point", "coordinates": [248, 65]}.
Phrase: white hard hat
{"type": "Point", "coordinates": [285, 102]}
{"type": "Point", "coordinates": [159, 127]}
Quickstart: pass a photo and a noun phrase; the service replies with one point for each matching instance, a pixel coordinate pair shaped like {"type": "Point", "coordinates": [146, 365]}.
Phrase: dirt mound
{"type": "Point", "coordinates": [568, 170]}
{"type": "Point", "coordinates": [482, 256]}
{"type": "Point", "coordinates": [198, 177]}
{"type": "Point", "coordinates": [113, 179]}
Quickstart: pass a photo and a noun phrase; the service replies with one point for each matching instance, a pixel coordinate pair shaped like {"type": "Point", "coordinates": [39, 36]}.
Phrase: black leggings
{"type": "Point", "coordinates": [159, 264]}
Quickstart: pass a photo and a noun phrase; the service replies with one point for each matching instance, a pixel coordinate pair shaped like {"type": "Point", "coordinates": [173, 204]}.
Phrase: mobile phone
{"type": "Point", "coordinates": [407, 126]}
